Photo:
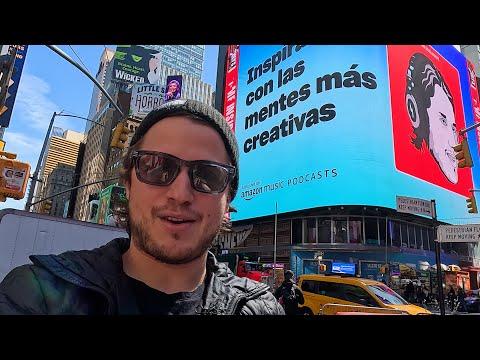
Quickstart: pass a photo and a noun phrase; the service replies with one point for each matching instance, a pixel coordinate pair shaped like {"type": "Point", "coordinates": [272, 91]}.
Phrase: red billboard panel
{"type": "Point", "coordinates": [427, 113]}
{"type": "Point", "coordinates": [231, 85]}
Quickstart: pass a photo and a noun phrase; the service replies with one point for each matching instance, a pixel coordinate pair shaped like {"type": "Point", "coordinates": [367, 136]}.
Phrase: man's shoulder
{"type": "Point", "coordinates": [22, 290]}
{"type": "Point", "coordinates": [256, 296]}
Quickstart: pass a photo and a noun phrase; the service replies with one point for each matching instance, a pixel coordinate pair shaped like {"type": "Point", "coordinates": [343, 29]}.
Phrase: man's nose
{"type": "Point", "coordinates": [181, 189]}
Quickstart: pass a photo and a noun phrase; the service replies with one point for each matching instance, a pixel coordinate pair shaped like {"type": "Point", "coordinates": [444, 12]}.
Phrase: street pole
{"type": "Point", "coordinates": [82, 69]}
{"type": "Point", "coordinates": [74, 188]}
{"type": "Point", "coordinates": [275, 248]}
{"type": "Point", "coordinates": [37, 168]}
{"type": "Point", "coordinates": [438, 261]}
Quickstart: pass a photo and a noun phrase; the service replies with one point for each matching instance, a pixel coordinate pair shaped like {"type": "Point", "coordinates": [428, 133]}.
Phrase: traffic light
{"type": "Point", "coordinates": [14, 176]}
{"type": "Point", "coordinates": [47, 206]}
{"type": "Point", "coordinates": [472, 205]}
{"type": "Point", "coordinates": [322, 267]}
{"type": "Point", "coordinates": [120, 136]}
{"type": "Point", "coordinates": [463, 154]}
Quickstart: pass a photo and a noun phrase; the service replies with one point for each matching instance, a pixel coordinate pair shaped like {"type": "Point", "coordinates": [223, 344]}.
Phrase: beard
{"type": "Point", "coordinates": [142, 237]}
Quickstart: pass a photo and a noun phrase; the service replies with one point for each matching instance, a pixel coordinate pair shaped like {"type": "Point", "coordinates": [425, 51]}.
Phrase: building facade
{"type": "Point", "coordinates": [187, 59]}
{"type": "Point", "coordinates": [96, 149]}
{"type": "Point", "coordinates": [472, 53]}
{"type": "Point", "coordinates": [60, 179]}
{"type": "Point", "coordinates": [101, 76]}
{"type": "Point", "coordinates": [60, 150]}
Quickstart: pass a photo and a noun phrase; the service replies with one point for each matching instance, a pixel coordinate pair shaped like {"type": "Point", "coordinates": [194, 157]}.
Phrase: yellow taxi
{"type": "Point", "coordinates": [319, 290]}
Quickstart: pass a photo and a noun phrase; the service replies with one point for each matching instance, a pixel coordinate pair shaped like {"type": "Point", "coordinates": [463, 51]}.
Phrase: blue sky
{"type": "Point", "coordinates": [48, 84]}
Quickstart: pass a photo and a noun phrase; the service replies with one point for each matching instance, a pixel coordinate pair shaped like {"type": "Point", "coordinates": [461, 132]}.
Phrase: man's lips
{"type": "Point", "coordinates": [176, 221]}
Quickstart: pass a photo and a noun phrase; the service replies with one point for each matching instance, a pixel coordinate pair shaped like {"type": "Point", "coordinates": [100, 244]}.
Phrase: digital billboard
{"type": "Point", "coordinates": [350, 125]}
{"type": "Point", "coordinates": [136, 64]}
{"type": "Point", "coordinates": [145, 98]}
{"type": "Point", "coordinates": [6, 112]}
{"type": "Point", "coordinates": [173, 88]}
{"type": "Point", "coordinates": [343, 268]}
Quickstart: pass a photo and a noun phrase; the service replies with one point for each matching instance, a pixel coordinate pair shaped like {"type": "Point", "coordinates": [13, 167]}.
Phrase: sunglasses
{"type": "Point", "coordinates": [157, 168]}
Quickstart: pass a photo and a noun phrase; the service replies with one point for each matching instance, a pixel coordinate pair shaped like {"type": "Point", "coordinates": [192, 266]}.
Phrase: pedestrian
{"type": "Point", "coordinates": [420, 295]}
{"type": "Point", "coordinates": [410, 291]}
{"type": "Point", "coordinates": [451, 296]}
{"type": "Point", "coordinates": [462, 306]}
{"type": "Point", "coordinates": [289, 294]}
{"type": "Point", "coordinates": [180, 174]}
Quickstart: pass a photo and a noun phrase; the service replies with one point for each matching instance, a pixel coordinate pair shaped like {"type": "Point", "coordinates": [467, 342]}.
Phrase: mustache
{"type": "Point", "coordinates": [158, 211]}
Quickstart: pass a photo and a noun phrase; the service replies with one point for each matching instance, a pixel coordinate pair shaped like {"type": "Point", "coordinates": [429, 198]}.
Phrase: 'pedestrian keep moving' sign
{"type": "Point", "coordinates": [459, 233]}
{"type": "Point", "coordinates": [414, 206]}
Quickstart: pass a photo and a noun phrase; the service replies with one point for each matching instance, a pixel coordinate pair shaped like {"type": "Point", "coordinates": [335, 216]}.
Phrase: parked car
{"type": "Point", "coordinates": [319, 290]}
{"type": "Point", "coordinates": [472, 302]}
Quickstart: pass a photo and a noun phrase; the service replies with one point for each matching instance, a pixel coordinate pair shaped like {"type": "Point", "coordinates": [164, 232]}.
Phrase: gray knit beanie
{"type": "Point", "coordinates": [203, 112]}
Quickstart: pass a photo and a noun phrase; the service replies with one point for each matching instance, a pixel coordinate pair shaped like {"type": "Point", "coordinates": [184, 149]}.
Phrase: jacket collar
{"type": "Point", "coordinates": [101, 269]}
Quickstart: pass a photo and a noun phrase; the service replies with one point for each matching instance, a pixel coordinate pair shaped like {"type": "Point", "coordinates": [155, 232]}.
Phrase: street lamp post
{"type": "Point", "coordinates": [40, 158]}
{"type": "Point", "coordinates": [107, 95]}
{"type": "Point", "coordinates": [82, 69]}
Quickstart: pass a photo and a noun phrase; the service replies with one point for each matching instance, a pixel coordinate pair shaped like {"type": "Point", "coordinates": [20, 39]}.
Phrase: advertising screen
{"type": "Point", "coordinates": [351, 125]}
{"type": "Point", "coordinates": [112, 208]}
{"type": "Point", "coordinates": [343, 268]}
{"type": "Point", "coordinates": [6, 112]}
{"type": "Point", "coordinates": [145, 98]}
{"type": "Point", "coordinates": [173, 88]}
{"type": "Point", "coordinates": [136, 64]}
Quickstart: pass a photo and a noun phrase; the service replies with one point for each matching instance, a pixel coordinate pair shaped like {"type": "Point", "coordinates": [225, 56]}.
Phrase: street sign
{"type": "Point", "coordinates": [414, 206]}
{"type": "Point", "coordinates": [458, 233]}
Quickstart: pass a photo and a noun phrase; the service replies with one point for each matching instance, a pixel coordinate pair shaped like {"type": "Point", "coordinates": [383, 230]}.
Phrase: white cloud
{"type": "Point", "coordinates": [21, 143]}
{"type": "Point", "coordinates": [33, 102]}
{"type": "Point", "coordinates": [27, 148]}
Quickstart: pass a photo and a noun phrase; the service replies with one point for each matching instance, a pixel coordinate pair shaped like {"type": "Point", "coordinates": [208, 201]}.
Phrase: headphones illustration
{"type": "Point", "coordinates": [410, 95]}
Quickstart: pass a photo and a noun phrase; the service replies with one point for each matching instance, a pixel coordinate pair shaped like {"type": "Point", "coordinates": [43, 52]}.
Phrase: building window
{"type": "Point", "coordinates": [404, 234]}
{"type": "Point", "coordinates": [355, 231]}
{"type": "Point", "coordinates": [426, 244]}
{"type": "Point", "coordinates": [418, 237]}
{"type": "Point", "coordinates": [324, 230]}
{"type": "Point", "coordinates": [340, 230]}
{"type": "Point", "coordinates": [371, 231]}
{"type": "Point", "coordinates": [310, 235]}
{"type": "Point", "coordinates": [297, 225]}
{"type": "Point", "coordinates": [382, 227]}
{"type": "Point", "coordinates": [411, 236]}
{"type": "Point", "coordinates": [394, 233]}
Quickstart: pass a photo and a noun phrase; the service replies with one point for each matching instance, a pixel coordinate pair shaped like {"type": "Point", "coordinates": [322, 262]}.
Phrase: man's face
{"type": "Point", "coordinates": [152, 208]}
{"type": "Point", "coordinates": [443, 133]}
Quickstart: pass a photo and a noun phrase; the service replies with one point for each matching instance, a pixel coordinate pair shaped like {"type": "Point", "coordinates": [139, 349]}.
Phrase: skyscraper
{"type": "Point", "coordinates": [61, 150]}
{"type": "Point", "coordinates": [95, 103]}
{"type": "Point", "coordinates": [186, 58]}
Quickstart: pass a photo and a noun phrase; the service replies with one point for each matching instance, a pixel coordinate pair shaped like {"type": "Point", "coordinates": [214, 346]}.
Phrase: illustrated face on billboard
{"type": "Point", "coordinates": [430, 108]}
{"type": "Point", "coordinates": [426, 116]}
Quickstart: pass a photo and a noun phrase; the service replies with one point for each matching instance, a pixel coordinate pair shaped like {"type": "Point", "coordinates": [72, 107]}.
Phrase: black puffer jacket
{"type": "Point", "coordinates": [93, 282]}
